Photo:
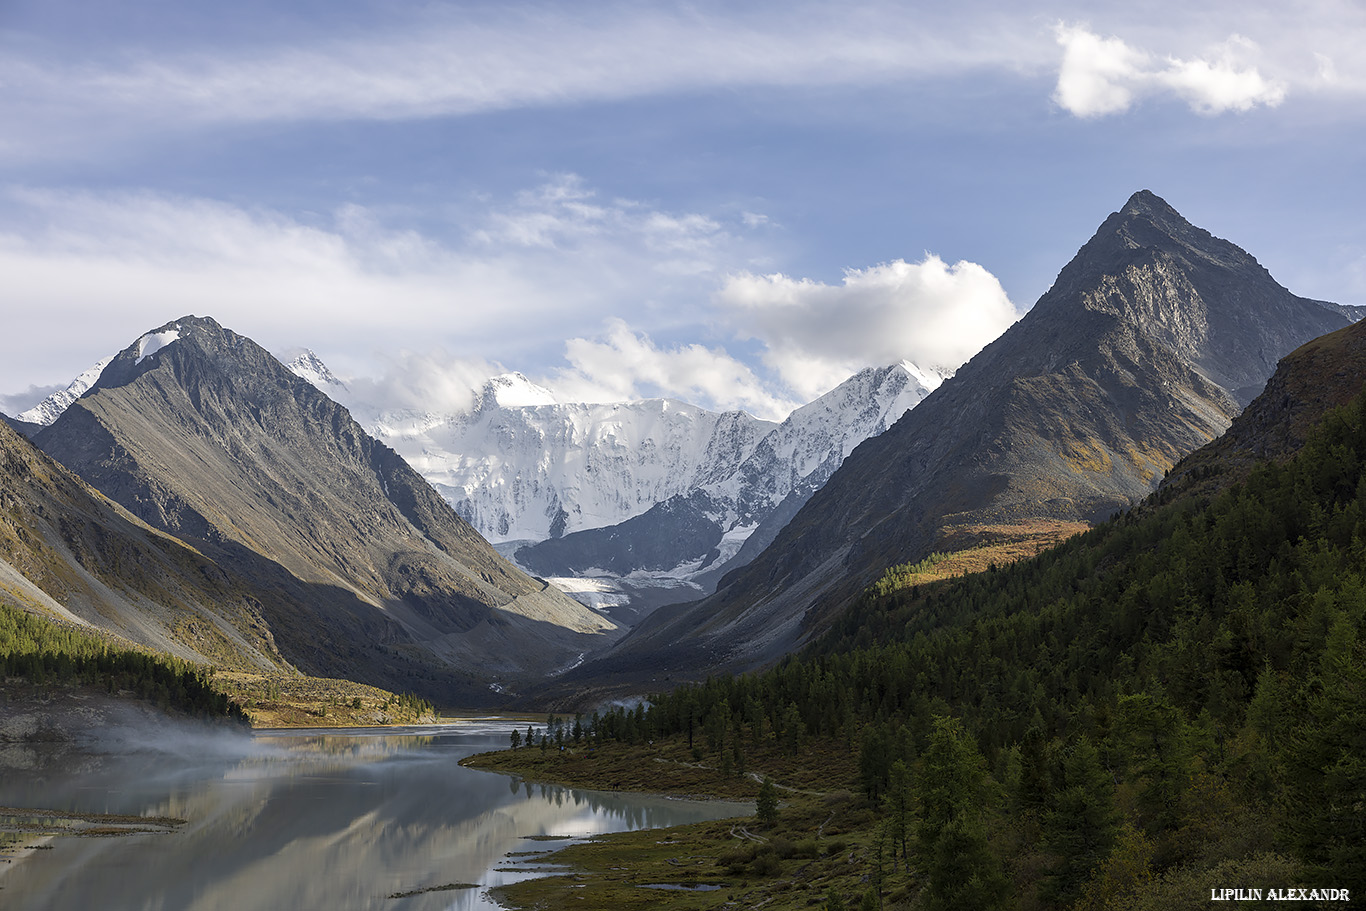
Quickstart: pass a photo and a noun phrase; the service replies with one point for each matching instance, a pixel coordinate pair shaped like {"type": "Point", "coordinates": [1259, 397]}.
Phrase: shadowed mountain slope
{"type": "Point", "coordinates": [202, 433]}
{"type": "Point", "coordinates": [71, 554]}
{"type": "Point", "coordinates": [1140, 353]}
{"type": "Point", "coordinates": [1320, 375]}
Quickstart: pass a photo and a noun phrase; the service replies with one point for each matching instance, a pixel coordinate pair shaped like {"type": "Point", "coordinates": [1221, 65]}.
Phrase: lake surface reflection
{"type": "Point", "coordinates": [302, 820]}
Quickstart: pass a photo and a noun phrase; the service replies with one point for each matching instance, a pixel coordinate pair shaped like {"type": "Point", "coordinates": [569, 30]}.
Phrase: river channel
{"type": "Point", "coordinates": [344, 819]}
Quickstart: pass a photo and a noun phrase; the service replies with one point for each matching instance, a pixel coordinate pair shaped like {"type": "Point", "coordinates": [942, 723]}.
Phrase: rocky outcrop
{"type": "Point", "coordinates": [1316, 377]}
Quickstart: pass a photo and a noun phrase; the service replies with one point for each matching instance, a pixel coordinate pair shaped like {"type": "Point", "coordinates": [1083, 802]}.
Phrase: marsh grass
{"type": "Point", "coordinates": [825, 838]}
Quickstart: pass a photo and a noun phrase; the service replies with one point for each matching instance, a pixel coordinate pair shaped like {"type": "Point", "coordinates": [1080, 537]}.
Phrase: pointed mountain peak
{"type": "Point", "coordinates": [309, 366]}
{"type": "Point", "coordinates": [1146, 202]}
{"type": "Point", "coordinates": [204, 335]}
{"type": "Point", "coordinates": [1147, 220]}
{"type": "Point", "coordinates": [1147, 228]}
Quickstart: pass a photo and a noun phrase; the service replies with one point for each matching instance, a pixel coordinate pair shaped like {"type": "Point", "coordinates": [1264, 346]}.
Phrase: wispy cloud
{"type": "Point", "coordinates": [454, 61]}
{"type": "Point", "coordinates": [443, 60]}
{"type": "Point", "coordinates": [575, 290]}
{"type": "Point", "coordinates": [524, 274]}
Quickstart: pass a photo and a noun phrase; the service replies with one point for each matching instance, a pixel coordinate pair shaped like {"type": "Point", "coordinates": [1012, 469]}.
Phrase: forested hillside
{"type": "Point", "coordinates": [1172, 702]}
{"type": "Point", "coordinates": [43, 652]}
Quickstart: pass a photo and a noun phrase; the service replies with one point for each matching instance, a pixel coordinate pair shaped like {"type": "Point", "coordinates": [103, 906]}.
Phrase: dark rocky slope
{"type": "Point", "coordinates": [1320, 375]}
{"type": "Point", "coordinates": [71, 554]}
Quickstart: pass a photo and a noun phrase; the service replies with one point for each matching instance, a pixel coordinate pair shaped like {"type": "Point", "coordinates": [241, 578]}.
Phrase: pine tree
{"type": "Point", "coordinates": [898, 808]}
{"type": "Point", "coordinates": [1081, 828]}
{"type": "Point", "coordinates": [962, 872]}
{"type": "Point", "coordinates": [1326, 764]}
{"type": "Point", "coordinates": [766, 807]}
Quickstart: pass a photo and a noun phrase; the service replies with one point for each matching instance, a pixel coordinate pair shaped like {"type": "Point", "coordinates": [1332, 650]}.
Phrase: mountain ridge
{"type": "Point", "coordinates": [202, 433]}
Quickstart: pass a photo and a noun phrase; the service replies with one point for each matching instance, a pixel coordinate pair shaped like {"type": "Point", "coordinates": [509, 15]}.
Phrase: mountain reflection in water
{"type": "Point", "coordinates": [304, 820]}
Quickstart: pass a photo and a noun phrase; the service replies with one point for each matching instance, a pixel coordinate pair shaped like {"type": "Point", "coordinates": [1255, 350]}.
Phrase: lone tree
{"type": "Point", "coordinates": [766, 807]}
{"type": "Point", "coordinates": [516, 738]}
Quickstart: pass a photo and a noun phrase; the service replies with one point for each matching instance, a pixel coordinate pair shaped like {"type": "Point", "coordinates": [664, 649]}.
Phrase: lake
{"type": "Point", "coordinates": [299, 820]}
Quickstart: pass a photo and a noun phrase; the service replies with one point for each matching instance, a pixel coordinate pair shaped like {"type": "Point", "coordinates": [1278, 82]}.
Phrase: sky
{"type": "Point", "coordinates": [737, 205]}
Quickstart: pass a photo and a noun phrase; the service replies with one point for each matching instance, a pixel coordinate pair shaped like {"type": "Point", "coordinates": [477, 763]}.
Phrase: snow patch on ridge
{"type": "Point", "coordinates": [153, 342]}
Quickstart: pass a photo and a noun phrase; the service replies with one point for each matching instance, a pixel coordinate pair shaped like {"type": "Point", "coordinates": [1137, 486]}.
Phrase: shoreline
{"type": "Point", "coordinates": [822, 843]}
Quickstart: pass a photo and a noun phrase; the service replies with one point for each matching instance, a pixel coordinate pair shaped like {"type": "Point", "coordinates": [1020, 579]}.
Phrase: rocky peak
{"type": "Point", "coordinates": [310, 367]}
{"type": "Point", "coordinates": [202, 433]}
{"type": "Point", "coordinates": [1203, 297]}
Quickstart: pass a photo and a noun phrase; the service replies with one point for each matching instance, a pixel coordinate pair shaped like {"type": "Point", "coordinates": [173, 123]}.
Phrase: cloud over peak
{"type": "Point", "coordinates": [816, 334]}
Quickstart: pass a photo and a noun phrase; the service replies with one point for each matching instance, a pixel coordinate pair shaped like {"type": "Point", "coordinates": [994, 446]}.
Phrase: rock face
{"type": "Point", "coordinates": [1316, 377]}
{"type": "Point", "coordinates": [71, 554]}
{"type": "Point", "coordinates": [1142, 351]}
{"type": "Point", "coordinates": [201, 433]}
{"type": "Point", "coordinates": [699, 533]}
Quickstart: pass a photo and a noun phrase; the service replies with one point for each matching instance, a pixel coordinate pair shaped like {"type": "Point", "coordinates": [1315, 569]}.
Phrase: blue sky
{"type": "Point", "coordinates": [737, 208]}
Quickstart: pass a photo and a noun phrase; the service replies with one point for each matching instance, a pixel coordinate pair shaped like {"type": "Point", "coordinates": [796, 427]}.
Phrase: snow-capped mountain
{"type": "Point", "coordinates": [310, 367]}
{"type": "Point", "coordinates": [51, 408]}
{"type": "Point", "coordinates": [813, 441]}
{"type": "Point", "coordinates": [521, 466]}
{"type": "Point", "coordinates": [693, 534]}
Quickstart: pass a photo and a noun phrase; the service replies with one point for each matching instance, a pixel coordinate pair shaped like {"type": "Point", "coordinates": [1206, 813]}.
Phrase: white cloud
{"type": "Point", "coordinates": [628, 365]}
{"type": "Point", "coordinates": [564, 215]}
{"type": "Point", "coordinates": [1100, 76]}
{"type": "Point", "coordinates": [95, 269]}
{"type": "Point", "coordinates": [816, 335]}
{"type": "Point", "coordinates": [432, 381]}
{"type": "Point", "coordinates": [87, 272]}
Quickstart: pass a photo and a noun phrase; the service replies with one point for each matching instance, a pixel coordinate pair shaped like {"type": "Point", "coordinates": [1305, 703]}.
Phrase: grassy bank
{"type": "Point", "coordinates": [823, 841]}
{"type": "Point", "coordinates": [285, 701]}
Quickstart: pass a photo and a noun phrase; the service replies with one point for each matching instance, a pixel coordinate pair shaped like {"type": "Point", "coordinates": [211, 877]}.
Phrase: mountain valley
{"type": "Point", "coordinates": [344, 561]}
